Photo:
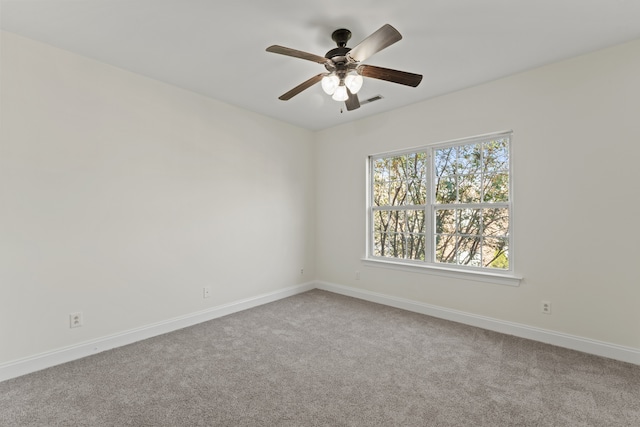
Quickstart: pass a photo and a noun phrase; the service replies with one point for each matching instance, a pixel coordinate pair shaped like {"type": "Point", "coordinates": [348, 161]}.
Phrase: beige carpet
{"type": "Point", "coordinates": [321, 359]}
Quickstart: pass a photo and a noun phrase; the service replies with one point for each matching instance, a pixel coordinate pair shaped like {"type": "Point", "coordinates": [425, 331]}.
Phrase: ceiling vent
{"type": "Point", "coordinates": [372, 99]}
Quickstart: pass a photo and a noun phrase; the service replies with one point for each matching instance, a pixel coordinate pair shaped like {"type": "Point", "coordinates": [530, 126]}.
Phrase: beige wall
{"type": "Point", "coordinates": [576, 151]}
{"type": "Point", "coordinates": [122, 197]}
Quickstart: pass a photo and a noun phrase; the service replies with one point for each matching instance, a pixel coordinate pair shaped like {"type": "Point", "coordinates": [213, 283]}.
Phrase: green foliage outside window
{"type": "Point", "coordinates": [469, 204]}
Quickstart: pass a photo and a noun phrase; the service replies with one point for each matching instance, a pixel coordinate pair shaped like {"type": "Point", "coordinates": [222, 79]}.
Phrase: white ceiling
{"type": "Point", "coordinates": [217, 48]}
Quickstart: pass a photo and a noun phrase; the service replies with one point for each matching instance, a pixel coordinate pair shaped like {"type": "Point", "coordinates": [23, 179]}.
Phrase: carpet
{"type": "Point", "coordinates": [322, 359]}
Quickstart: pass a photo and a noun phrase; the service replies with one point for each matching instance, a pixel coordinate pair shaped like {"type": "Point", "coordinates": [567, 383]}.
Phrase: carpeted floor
{"type": "Point", "coordinates": [321, 359]}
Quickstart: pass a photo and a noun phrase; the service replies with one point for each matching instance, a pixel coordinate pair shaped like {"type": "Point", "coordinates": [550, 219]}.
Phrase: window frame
{"type": "Point", "coordinates": [429, 265]}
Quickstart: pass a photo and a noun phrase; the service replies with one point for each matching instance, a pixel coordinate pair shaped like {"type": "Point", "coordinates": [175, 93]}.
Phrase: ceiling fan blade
{"type": "Point", "coordinates": [385, 36]}
{"type": "Point", "coordinates": [302, 86]}
{"type": "Point", "coordinates": [394, 76]}
{"type": "Point", "coordinates": [297, 54]}
{"type": "Point", "coordinates": [352, 103]}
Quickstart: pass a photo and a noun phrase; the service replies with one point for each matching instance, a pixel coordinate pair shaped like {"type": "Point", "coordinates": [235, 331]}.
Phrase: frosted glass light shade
{"type": "Point", "coordinates": [340, 94]}
{"type": "Point", "coordinates": [353, 82]}
{"type": "Point", "coordinates": [330, 83]}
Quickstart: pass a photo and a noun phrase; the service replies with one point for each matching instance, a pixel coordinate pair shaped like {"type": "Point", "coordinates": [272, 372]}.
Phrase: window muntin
{"type": "Point", "coordinates": [447, 204]}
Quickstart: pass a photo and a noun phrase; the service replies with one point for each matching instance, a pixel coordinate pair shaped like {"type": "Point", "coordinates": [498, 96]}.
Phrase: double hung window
{"type": "Point", "coordinates": [446, 205]}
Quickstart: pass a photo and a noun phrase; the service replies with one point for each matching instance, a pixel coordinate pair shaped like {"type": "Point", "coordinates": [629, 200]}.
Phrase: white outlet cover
{"type": "Point", "coordinates": [545, 307]}
{"type": "Point", "coordinates": [75, 319]}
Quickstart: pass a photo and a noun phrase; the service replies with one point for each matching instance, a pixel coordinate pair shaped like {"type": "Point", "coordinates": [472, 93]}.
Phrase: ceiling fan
{"type": "Point", "coordinates": [344, 76]}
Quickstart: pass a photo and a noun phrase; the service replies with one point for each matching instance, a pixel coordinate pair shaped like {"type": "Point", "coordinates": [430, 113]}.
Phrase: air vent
{"type": "Point", "coordinates": [373, 99]}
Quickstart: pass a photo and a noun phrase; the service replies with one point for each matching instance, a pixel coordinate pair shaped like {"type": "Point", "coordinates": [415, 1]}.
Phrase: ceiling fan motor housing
{"type": "Point", "coordinates": [338, 55]}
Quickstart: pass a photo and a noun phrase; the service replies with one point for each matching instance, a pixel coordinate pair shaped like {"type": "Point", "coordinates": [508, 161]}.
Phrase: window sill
{"type": "Point", "coordinates": [476, 276]}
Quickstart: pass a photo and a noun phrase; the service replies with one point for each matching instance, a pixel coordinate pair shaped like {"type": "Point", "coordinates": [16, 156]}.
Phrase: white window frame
{"type": "Point", "coordinates": [429, 266]}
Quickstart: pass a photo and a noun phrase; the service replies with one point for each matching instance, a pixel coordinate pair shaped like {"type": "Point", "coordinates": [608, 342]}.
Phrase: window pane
{"type": "Point", "coordinates": [446, 248]}
{"type": "Point", "coordinates": [446, 190]}
{"type": "Point", "coordinates": [469, 188]}
{"type": "Point", "coordinates": [396, 245]}
{"type": "Point", "coordinates": [445, 221]}
{"type": "Point", "coordinates": [417, 165]}
{"type": "Point", "coordinates": [397, 193]}
{"type": "Point", "coordinates": [464, 244]}
{"type": "Point", "coordinates": [469, 251]}
{"type": "Point", "coordinates": [469, 159]}
{"type": "Point", "coordinates": [416, 192]}
{"type": "Point", "coordinates": [399, 234]}
{"type": "Point", "coordinates": [385, 221]}
{"type": "Point", "coordinates": [380, 220]}
{"type": "Point", "coordinates": [415, 246]}
{"type": "Point", "coordinates": [444, 160]}
{"type": "Point", "coordinates": [469, 221]}
{"type": "Point", "coordinates": [379, 244]}
{"type": "Point", "coordinates": [397, 167]}
{"type": "Point", "coordinates": [495, 253]}
{"type": "Point", "coordinates": [400, 180]}
{"type": "Point", "coordinates": [389, 245]}
{"type": "Point", "coordinates": [495, 222]}
{"type": "Point", "coordinates": [496, 155]}
{"type": "Point", "coordinates": [496, 188]}
{"type": "Point", "coordinates": [380, 172]}
{"type": "Point", "coordinates": [396, 220]}
{"type": "Point", "coordinates": [415, 221]}
{"type": "Point", "coordinates": [381, 193]}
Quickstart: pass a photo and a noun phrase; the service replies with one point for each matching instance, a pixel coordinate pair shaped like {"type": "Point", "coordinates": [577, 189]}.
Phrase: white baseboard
{"type": "Point", "coordinates": [55, 357]}
{"type": "Point", "coordinates": [67, 354]}
{"type": "Point", "coordinates": [586, 345]}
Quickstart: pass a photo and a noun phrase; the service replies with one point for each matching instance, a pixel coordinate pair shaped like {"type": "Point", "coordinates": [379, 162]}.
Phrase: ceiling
{"type": "Point", "coordinates": [217, 48]}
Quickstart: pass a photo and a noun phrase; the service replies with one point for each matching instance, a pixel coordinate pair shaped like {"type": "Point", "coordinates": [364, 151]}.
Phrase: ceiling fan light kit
{"type": "Point", "coordinates": [344, 76]}
{"type": "Point", "coordinates": [354, 82]}
{"type": "Point", "coordinates": [330, 83]}
{"type": "Point", "coordinates": [336, 86]}
{"type": "Point", "coordinates": [340, 94]}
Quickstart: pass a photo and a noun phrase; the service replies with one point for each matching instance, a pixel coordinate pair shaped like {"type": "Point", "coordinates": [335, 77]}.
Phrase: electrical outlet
{"type": "Point", "coordinates": [545, 307]}
{"type": "Point", "coordinates": [302, 271]}
{"type": "Point", "coordinates": [206, 292]}
{"type": "Point", "coordinates": [75, 319]}
{"type": "Point", "coordinates": [357, 275]}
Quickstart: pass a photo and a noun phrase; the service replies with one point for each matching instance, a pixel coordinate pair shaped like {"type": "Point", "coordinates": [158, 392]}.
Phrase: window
{"type": "Point", "coordinates": [446, 205]}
